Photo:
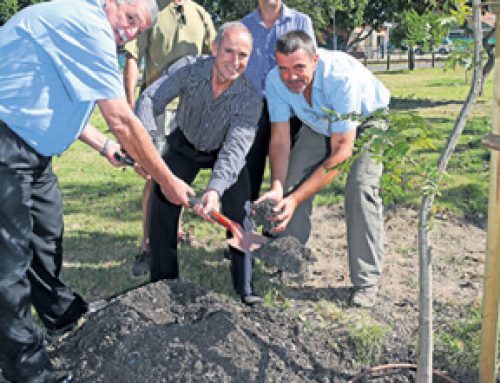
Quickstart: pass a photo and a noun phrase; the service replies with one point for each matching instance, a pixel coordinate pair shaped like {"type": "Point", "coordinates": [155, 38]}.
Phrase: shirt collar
{"type": "Point", "coordinates": [318, 74]}
{"type": "Point", "coordinates": [286, 14]}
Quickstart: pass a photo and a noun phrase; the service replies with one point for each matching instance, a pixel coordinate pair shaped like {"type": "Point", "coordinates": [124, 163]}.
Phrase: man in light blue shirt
{"type": "Point", "coordinates": [269, 21]}
{"type": "Point", "coordinates": [58, 59]}
{"type": "Point", "coordinates": [305, 82]}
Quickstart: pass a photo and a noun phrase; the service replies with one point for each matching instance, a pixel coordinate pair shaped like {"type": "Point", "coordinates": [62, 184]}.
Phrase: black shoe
{"type": "Point", "coordinates": [70, 318]}
{"type": "Point", "coordinates": [364, 296]}
{"type": "Point", "coordinates": [251, 300]}
{"type": "Point", "coordinates": [141, 264]}
{"type": "Point", "coordinates": [49, 376]}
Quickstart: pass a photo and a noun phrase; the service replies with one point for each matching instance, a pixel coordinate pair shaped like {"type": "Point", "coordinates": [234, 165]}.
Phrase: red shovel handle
{"type": "Point", "coordinates": [232, 226]}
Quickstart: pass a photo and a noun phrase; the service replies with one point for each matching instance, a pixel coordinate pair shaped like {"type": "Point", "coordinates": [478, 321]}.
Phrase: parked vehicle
{"type": "Point", "coordinates": [444, 48]}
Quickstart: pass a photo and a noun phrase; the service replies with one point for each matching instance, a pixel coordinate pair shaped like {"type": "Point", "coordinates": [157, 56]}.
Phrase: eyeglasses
{"type": "Point", "coordinates": [180, 12]}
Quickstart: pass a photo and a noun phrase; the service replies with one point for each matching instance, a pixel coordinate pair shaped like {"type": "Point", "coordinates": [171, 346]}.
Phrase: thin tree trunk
{"type": "Point", "coordinates": [425, 341]}
{"type": "Point", "coordinates": [490, 62]}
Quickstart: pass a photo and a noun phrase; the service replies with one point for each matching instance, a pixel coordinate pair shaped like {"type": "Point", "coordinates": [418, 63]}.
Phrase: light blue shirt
{"type": "Point", "coordinates": [56, 60]}
{"type": "Point", "coordinates": [341, 84]}
{"type": "Point", "coordinates": [262, 59]}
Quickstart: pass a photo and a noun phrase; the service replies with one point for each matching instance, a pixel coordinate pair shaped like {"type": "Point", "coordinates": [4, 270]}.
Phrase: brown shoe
{"type": "Point", "coordinates": [251, 300]}
{"type": "Point", "coordinates": [364, 296]}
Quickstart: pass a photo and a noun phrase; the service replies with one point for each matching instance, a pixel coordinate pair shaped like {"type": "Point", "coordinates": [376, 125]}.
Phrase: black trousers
{"type": "Point", "coordinates": [185, 162]}
{"type": "Point", "coordinates": [31, 228]}
{"type": "Point", "coordinates": [257, 156]}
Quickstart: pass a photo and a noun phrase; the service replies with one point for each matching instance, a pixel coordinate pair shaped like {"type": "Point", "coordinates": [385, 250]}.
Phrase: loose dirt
{"type": "Point", "coordinates": [179, 332]}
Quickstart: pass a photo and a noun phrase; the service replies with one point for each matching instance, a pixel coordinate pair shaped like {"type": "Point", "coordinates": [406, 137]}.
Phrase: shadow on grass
{"type": "Point", "coordinates": [394, 72]}
{"type": "Point", "coordinates": [406, 104]}
{"type": "Point", "coordinates": [338, 295]}
{"type": "Point", "coordinates": [103, 199]}
{"type": "Point", "coordinates": [210, 269]}
{"type": "Point", "coordinates": [98, 264]}
{"type": "Point", "coordinates": [471, 198]}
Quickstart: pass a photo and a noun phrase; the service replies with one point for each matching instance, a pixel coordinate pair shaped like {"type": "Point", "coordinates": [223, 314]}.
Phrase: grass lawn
{"type": "Point", "coordinates": [103, 204]}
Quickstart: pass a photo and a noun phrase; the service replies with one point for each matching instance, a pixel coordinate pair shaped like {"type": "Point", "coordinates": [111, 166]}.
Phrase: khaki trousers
{"type": "Point", "coordinates": [363, 205]}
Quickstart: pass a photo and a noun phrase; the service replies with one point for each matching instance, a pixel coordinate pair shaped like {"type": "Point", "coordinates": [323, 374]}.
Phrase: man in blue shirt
{"type": "Point", "coordinates": [305, 83]}
{"type": "Point", "coordinates": [269, 21]}
{"type": "Point", "coordinates": [58, 60]}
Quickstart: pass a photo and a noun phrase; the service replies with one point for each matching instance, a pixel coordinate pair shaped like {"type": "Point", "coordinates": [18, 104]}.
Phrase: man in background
{"type": "Point", "coordinates": [267, 23]}
{"type": "Point", "coordinates": [183, 28]}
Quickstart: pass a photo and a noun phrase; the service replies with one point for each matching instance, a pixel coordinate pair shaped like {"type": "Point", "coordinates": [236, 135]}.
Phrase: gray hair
{"type": "Point", "coordinates": [292, 41]}
{"type": "Point", "coordinates": [150, 5]}
{"type": "Point", "coordinates": [230, 25]}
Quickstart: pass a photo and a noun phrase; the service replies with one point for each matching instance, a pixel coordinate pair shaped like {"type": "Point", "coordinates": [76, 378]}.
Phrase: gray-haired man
{"type": "Point", "coordinates": [58, 60]}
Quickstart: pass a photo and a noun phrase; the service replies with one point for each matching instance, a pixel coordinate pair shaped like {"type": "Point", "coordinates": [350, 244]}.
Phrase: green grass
{"type": "Point", "coordinates": [457, 343]}
{"type": "Point", "coordinates": [438, 96]}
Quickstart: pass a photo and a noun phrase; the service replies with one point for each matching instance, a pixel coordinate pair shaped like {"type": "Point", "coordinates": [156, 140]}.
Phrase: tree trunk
{"type": "Point", "coordinates": [490, 62]}
{"type": "Point", "coordinates": [425, 343]}
{"type": "Point", "coordinates": [411, 58]}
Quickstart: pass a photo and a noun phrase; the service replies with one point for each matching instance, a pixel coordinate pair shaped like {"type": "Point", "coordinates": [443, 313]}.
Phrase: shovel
{"type": "Point", "coordinates": [245, 241]}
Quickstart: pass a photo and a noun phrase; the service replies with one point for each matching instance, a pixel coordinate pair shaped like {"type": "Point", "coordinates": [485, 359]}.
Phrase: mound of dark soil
{"type": "Point", "coordinates": [287, 254]}
{"type": "Point", "coordinates": [178, 332]}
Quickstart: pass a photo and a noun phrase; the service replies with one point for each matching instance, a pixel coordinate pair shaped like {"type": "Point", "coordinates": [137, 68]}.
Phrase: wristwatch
{"type": "Point", "coordinates": [105, 148]}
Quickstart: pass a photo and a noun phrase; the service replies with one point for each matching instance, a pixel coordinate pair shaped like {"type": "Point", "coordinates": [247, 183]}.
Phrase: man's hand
{"type": "Point", "coordinates": [177, 191]}
{"type": "Point", "coordinates": [109, 151]}
{"type": "Point", "coordinates": [284, 210]}
{"type": "Point", "coordinates": [275, 194]}
{"type": "Point", "coordinates": [209, 201]}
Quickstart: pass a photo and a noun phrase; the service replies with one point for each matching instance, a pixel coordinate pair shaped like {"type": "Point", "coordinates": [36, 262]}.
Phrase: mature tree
{"type": "Point", "coordinates": [349, 14]}
{"type": "Point", "coordinates": [10, 7]}
{"type": "Point", "coordinates": [7, 9]}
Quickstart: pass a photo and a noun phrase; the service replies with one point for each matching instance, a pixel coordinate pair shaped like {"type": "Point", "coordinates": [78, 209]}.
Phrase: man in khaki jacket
{"type": "Point", "coordinates": [183, 28]}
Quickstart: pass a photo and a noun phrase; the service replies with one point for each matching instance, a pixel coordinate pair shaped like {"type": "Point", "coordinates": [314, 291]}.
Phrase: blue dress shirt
{"type": "Point", "coordinates": [262, 59]}
{"type": "Point", "coordinates": [341, 84]}
{"type": "Point", "coordinates": [57, 59]}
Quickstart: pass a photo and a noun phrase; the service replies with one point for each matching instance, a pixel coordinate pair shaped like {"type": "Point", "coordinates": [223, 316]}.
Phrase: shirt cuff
{"type": "Point", "coordinates": [219, 185]}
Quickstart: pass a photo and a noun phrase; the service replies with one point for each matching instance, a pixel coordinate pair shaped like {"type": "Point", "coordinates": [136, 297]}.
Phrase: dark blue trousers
{"type": "Point", "coordinates": [31, 228]}
{"type": "Point", "coordinates": [257, 156]}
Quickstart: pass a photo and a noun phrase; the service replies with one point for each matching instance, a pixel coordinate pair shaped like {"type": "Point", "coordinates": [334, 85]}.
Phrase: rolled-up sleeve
{"type": "Point", "coordinates": [239, 139]}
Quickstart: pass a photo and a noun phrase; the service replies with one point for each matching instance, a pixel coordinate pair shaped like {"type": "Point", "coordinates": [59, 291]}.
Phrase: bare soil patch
{"type": "Point", "coordinates": [179, 332]}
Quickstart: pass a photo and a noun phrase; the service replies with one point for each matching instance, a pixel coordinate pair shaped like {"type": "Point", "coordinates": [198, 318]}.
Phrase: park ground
{"type": "Point", "coordinates": [196, 329]}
